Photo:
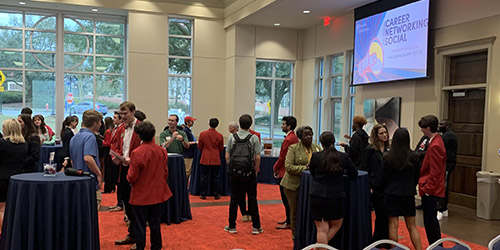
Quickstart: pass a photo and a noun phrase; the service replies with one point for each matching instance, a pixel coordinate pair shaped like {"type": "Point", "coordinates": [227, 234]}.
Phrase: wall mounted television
{"type": "Point", "coordinates": [391, 41]}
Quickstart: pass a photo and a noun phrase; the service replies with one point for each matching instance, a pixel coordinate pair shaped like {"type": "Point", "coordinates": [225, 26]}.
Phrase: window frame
{"type": "Point", "coordinates": [273, 80]}
{"type": "Point", "coordinates": [190, 58]}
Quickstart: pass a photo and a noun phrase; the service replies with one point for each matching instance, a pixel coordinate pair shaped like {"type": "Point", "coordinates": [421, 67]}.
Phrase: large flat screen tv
{"type": "Point", "coordinates": [392, 44]}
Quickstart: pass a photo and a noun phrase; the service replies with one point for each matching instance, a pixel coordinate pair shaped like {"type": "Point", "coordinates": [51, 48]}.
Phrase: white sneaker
{"type": "Point", "coordinates": [440, 216]}
{"type": "Point", "coordinates": [445, 213]}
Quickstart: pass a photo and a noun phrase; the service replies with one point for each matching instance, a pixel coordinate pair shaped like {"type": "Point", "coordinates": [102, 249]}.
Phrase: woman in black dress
{"type": "Point", "coordinates": [31, 137]}
{"type": "Point", "coordinates": [13, 151]}
{"type": "Point", "coordinates": [327, 188]}
{"type": "Point", "coordinates": [373, 162]}
{"type": "Point", "coordinates": [69, 124]}
{"type": "Point", "coordinates": [401, 171]}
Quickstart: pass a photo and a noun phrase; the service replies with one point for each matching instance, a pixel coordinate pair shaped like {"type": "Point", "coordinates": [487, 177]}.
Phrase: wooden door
{"type": "Point", "coordinates": [467, 115]}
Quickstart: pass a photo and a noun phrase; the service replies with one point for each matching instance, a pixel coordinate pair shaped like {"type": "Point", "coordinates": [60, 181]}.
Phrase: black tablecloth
{"type": "Point", "coordinates": [45, 154]}
{"type": "Point", "coordinates": [177, 208]}
{"type": "Point", "coordinates": [43, 212]}
{"type": "Point", "coordinates": [356, 228]}
{"type": "Point", "coordinates": [266, 170]}
{"type": "Point", "coordinates": [195, 181]}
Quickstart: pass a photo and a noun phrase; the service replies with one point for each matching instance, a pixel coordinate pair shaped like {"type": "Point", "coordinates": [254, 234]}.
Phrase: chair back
{"type": "Point", "coordinates": [313, 246]}
{"type": "Point", "coordinates": [459, 245]}
{"type": "Point", "coordinates": [494, 243]}
{"type": "Point", "coordinates": [397, 246]}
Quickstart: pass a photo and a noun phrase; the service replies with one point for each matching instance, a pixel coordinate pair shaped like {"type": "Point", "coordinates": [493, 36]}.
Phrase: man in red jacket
{"type": "Point", "coordinates": [211, 145]}
{"type": "Point", "coordinates": [148, 174]}
{"type": "Point", "coordinates": [288, 125]}
{"type": "Point", "coordinates": [126, 141]}
{"type": "Point", "coordinates": [432, 172]}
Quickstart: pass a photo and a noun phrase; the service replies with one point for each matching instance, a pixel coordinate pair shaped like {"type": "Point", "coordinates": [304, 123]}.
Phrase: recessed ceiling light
{"type": "Point", "coordinates": [22, 3]}
{"type": "Point", "coordinates": [306, 11]}
{"type": "Point", "coordinates": [277, 24]}
{"type": "Point", "coordinates": [95, 10]}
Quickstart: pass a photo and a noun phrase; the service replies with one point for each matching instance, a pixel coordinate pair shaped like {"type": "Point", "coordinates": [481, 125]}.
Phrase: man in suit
{"type": "Point", "coordinates": [148, 174]}
{"type": "Point", "coordinates": [287, 126]}
{"type": "Point", "coordinates": [211, 145]}
{"type": "Point", "coordinates": [432, 172]}
{"type": "Point", "coordinates": [126, 141]}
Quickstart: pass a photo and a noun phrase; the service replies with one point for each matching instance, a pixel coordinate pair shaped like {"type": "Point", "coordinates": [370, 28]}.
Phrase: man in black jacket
{"type": "Point", "coordinates": [451, 144]}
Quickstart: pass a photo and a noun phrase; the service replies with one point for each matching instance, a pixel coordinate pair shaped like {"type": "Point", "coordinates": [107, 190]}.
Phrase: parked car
{"type": "Point", "coordinates": [82, 106]}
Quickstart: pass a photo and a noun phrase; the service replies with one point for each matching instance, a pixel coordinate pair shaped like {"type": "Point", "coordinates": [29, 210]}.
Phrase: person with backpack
{"type": "Point", "coordinates": [243, 158]}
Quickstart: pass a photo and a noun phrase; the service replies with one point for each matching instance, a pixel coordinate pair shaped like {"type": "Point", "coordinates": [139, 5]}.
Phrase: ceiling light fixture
{"type": "Point", "coordinates": [277, 24]}
{"type": "Point", "coordinates": [22, 3]}
{"type": "Point", "coordinates": [95, 10]}
{"type": "Point", "coordinates": [306, 11]}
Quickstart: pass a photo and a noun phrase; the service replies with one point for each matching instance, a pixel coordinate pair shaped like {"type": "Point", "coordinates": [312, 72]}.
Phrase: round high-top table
{"type": "Point", "coordinates": [50, 212]}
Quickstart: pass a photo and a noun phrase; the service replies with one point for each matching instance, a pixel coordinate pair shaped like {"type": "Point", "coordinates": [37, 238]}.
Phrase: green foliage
{"type": "Point", "coordinates": [263, 87]}
{"type": "Point", "coordinates": [12, 97]}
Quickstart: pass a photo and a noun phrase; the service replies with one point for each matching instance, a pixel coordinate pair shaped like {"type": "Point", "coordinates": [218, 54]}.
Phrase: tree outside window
{"type": "Point", "coordinates": [179, 66]}
{"type": "Point", "coordinates": [272, 97]}
{"type": "Point", "coordinates": [92, 66]}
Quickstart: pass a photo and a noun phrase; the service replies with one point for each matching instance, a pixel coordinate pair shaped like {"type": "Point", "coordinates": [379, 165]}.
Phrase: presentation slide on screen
{"type": "Point", "coordinates": [392, 45]}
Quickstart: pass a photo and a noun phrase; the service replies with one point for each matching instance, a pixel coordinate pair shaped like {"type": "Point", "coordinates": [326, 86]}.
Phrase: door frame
{"type": "Point", "coordinates": [442, 61]}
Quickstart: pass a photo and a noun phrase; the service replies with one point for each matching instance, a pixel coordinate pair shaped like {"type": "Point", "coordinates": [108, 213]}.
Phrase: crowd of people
{"type": "Point", "coordinates": [121, 153]}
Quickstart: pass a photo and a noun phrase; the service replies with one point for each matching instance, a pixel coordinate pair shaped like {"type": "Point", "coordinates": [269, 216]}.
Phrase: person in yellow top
{"type": "Point", "coordinates": [297, 160]}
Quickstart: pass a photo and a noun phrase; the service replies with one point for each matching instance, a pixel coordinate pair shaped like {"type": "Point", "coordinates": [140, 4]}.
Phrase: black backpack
{"type": "Point", "coordinates": [241, 162]}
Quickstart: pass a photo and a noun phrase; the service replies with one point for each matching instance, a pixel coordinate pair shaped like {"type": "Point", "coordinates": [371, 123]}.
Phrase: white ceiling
{"type": "Point", "coordinates": [289, 12]}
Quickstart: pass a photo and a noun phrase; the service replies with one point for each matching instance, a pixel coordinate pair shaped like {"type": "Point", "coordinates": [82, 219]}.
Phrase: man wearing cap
{"type": "Point", "coordinates": [173, 138]}
{"type": "Point", "coordinates": [189, 153]}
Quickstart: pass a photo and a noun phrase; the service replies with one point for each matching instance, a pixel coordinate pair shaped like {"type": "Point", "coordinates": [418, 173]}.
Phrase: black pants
{"type": "Point", "coordinates": [381, 231]}
{"type": "Point", "coordinates": [431, 223]}
{"type": "Point", "coordinates": [285, 202]}
{"type": "Point", "coordinates": [110, 177]}
{"type": "Point", "coordinates": [211, 172]}
{"type": "Point", "coordinates": [151, 214]}
{"type": "Point", "coordinates": [238, 191]}
{"type": "Point", "coordinates": [124, 191]}
{"type": "Point", "coordinates": [443, 203]}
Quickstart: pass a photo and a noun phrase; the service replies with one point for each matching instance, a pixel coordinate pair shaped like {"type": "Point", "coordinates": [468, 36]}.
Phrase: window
{"type": "Point", "coordinates": [94, 72]}
{"type": "Point", "coordinates": [320, 94]}
{"type": "Point", "coordinates": [337, 80]}
{"type": "Point", "coordinates": [272, 97]}
{"type": "Point", "coordinates": [179, 66]}
{"type": "Point", "coordinates": [91, 67]}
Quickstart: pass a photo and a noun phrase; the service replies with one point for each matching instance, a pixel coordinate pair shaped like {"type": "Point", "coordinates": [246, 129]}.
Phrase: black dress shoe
{"type": "Point", "coordinates": [127, 241]}
{"type": "Point", "coordinates": [217, 196]}
{"type": "Point", "coordinates": [419, 207]}
{"type": "Point", "coordinates": [203, 197]}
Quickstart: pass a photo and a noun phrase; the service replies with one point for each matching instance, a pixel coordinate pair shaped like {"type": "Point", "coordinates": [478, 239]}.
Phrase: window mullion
{"type": "Point", "coordinates": [59, 71]}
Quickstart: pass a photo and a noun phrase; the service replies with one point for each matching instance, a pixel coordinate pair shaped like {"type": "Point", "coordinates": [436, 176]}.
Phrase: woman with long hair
{"type": "Point", "coordinates": [372, 163]}
{"type": "Point", "coordinates": [401, 171]}
{"type": "Point", "coordinates": [31, 137]}
{"type": "Point", "coordinates": [68, 125]}
{"type": "Point", "coordinates": [327, 188]}
{"type": "Point", "coordinates": [296, 161]}
{"type": "Point", "coordinates": [13, 151]}
{"type": "Point", "coordinates": [44, 131]}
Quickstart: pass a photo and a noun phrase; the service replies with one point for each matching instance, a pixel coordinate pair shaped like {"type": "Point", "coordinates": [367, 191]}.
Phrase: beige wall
{"type": "Point", "coordinates": [245, 44]}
